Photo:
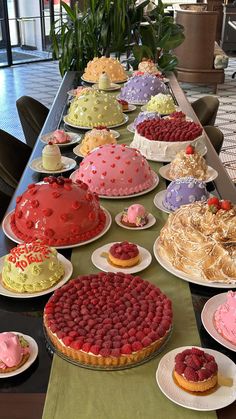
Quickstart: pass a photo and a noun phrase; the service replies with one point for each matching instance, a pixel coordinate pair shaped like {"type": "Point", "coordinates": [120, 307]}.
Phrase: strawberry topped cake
{"type": "Point", "coordinates": [108, 319]}
{"type": "Point", "coordinates": [225, 318]}
{"type": "Point", "coordinates": [14, 351]}
{"type": "Point", "coordinates": [195, 370]}
{"type": "Point", "coordinates": [115, 170]}
{"type": "Point", "coordinates": [188, 162]}
{"type": "Point", "coordinates": [163, 138]}
{"type": "Point", "coordinates": [57, 212]}
{"type": "Point", "coordinates": [123, 254]}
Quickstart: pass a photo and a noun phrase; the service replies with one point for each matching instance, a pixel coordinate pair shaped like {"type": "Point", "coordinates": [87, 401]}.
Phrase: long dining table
{"type": "Point", "coordinates": [23, 396]}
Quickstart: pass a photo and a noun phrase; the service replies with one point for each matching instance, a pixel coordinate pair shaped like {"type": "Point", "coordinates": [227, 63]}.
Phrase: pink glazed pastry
{"type": "Point", "coordinates": [225, 318]}
{"type": "Point", "coordinates": [60, 137]}
{"type": "Point", "coordinates": [134, 216]}
{"type": "Point", "coordinates": [13, 351]}
{"type": "Point", "coordinates": [115, 170]}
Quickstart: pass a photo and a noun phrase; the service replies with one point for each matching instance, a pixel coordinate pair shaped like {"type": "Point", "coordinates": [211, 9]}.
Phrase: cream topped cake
{"type": "Point", "coordinates": [104, 81]}
{"type": "Point", "coordinates": [188, 162]}
{"type": "Point", "coordinates": [31, 267]}
{"type": "Point", "coordinates": [95, 138]}
{"type": "Point", "coordinates": [161, 103]}
{"type": "Point", "coordinates": [51, 157]}
{"type": "Point", "coordinates": [109, 65]}
{"type": "Point", "coordinates": [225, 318]}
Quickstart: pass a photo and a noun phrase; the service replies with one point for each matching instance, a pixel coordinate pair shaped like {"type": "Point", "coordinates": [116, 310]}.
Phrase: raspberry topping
{"type": "Point", "coordinates": [169, 130]}
{"type": "Point", "coordinates": [124, 250]}
{"type": "Point", "coordinates": [195, 365]}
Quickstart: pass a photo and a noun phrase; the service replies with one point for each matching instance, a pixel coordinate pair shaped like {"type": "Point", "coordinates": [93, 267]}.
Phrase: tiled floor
{"type": "Point", "coordinates": [41, 81]}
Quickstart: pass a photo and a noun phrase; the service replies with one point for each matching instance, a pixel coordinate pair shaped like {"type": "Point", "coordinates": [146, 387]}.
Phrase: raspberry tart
{"type": "Point", "coordinates": [195, 370]}
{"type": "Point", "coordinates": [123, 254]}
{"type": "Point", "coordinates": [108, 320]}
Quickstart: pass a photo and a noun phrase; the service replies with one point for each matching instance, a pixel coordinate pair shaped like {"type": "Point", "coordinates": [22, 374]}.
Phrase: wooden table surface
{"type": "Point", "coordinates": [23, 396]}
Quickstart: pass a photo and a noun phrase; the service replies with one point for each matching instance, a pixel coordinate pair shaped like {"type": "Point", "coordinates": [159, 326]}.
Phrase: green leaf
{"type": "Point", "coordinates": [69, 11]}
{"type": "Point", "coordinates": [167, 62]}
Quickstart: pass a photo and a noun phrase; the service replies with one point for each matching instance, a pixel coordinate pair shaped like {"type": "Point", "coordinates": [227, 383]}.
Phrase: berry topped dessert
{"type": "Point", "coordinates": [188, 162]}
{"type": "Point", "coordinates": [184, 191]}
{"type": "Point", "coordinates": [144, 116]}
{"type": "Point", "coordinates": [110, 66]}
{"type": "Point", "coordinates": [200, 240]}
{"type": "Point", "coordinates": [195, 370]}
{"type": "Point", "coordinates": [225, 318]}
{"type": "Point", "coordinates": [124, 104]}
{"type": "Point", "coordinates": [123, 254]}
{"type": "Point", "coordinates": [14, 351]}
{"type": "Point", "coordinates": [164, 138]}
{"type": "Point", "coordinates": [110, 320]}
{"type": "Point", "coordinates": [57, 212]}
{"type": "Point", "coordinates": [141, 87]}
{"type": "Point", "coordinates": [96, 137]}
{"type": "Point", "coordinates": [134, 216]}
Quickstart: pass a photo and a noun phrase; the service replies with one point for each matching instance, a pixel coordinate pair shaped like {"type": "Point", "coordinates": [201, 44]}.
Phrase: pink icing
{"type": "Point", "coordinates": [115, 170]}
{"type": "Point", "coordinates": [225, 318]}
{"type": "Point", "coordinates": [60, 137]}
{"type": "Point", "coordinates": [11, 351]}
{"type": "Point", "coordinates": [135, 212]}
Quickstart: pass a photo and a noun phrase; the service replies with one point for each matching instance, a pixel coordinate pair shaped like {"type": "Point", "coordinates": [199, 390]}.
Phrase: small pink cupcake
{"type": "Point", "coordinates": [134, 216]}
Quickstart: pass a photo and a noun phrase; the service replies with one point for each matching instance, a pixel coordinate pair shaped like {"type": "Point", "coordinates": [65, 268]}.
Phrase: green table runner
{"type": "Point", "coordinates": [79, 393]}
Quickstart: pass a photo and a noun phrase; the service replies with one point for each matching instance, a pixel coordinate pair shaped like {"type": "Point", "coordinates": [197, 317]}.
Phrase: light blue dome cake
{"type": "Point", "coordinates": [184, 191]}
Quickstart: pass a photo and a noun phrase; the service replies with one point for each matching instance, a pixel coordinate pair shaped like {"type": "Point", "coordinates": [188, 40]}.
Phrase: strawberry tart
{"type": "Point", "coordinates": [115, 170]}
{"type": "Point", "coordinates": [123, 254]}
{"type": "Point", "coordinates": [94, 138]}
{"type": "Point", "coordinates": [110, 66]}
{"type": "Point", "coordinates": [209, 230]}
{"type": "Point", "coordinates": [31, 267]}
{"type": "Point", "coordinates": [225, 318]}
{"type": "Point", "coordinates": [57, 212]}
{"type": "Point", "coordinates": [108, 319]}
{"type": "Point", "coordinates": [14, 351]}
{"type": "Point", "coordinates": [195, 370]}
{"type": "Point", "coordinates": [141, 87]}
{"type": "Point", "coordinates": [164, 138]}
{"type": "Point", "coordinates": [188, 162]}
{"type": "Point", "coordinates": [134, 216]}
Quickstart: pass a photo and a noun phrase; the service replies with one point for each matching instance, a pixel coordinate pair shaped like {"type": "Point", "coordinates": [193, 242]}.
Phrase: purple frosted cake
{"type": "Point", "coordinates": [143, 116]}
{"type": "Point", "coordinates": [140, 88]}
{"type": "Point", "coordinates": [184, 191]}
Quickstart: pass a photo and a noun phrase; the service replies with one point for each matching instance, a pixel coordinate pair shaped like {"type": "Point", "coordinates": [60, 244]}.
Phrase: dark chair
{"type": "Point", "coordinates": [14, 156]}
{"type": "Point", "coordinates": [32, 116]}
{"type": "Point", "coordinates": [206, 109]}
{"type": "Point", "coordinates": [4, 202]}
{"type": "Point", "coordinates": [215, 136]}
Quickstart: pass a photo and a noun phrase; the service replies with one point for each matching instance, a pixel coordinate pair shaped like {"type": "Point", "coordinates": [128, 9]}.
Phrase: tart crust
{"type": "Point", "coordinates": [198, 386]}
{"type": "Point", "coordinates": [124, 263]}
{"type": "Point", "coordinates": [25, 357]}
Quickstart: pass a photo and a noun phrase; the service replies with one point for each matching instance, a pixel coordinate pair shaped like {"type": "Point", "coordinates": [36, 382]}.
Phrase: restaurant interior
{"type": "Point", "coordinates": [118, 209]}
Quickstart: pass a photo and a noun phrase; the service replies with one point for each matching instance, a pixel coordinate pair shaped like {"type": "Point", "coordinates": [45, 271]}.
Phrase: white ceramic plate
{"type": "Point", "coordinates": [67, 164]}
{"type": "Point", "coordinates": [131, 128]}
{"type": "Point", "coordinates": [126, 118]}
{"type": "Point", "coordinates": [150, 223]}
{"type": "Point", "coordinates": [207, 317]}
{"type": "Point", "coordinates": [199, 281]}
{"type": "Point", "coordinates": [74, 138]}
{"type": "Point", "coordinates": [33, 355]}
{"type": "Point", "coordinates": [113, 87]}
{"type": "Point", "coordinates": [101, 262]}
{"type": "Point", "coordinates": [221, 397]}
{"type": "Point", "coordinates": [68, 272]}
{"type": "Point", "coordinates": [211, 173]}
{"type": "Point", "coordinates": [158, 201]}
{"type": "Point", "coordinates": [6, 226]}
{"type": "Point", "coordinates": [131, 108]}
{"type": "Point", "coordinates": [92, 82]}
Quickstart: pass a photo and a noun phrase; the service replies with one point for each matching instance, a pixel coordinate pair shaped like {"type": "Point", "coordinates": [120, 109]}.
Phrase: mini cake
{"type": "Point", "coordinates": [164, 138]}
{"type": "Point", "coordinates": [110, 66]}
{"type": "Point", "coordinates": [95, 138]}
{"type": "Point", "coordinates": [188, 162]}
{"type": "Point", "coordinates": [134, 216]}
{"type": "Point", "coordinates": [94, 108]}
{"type": "Point", "coordinates": [145, 116]}
{"type": "Point", "coordinates": [148, 66]}
{"type": "Point", "coordinates": [51, 157]}
{"type": "Point", "coordinates": [163, 104]}
{"type": "Point", "coordinates": [31, 267]}
{"type": "Point", "coordinates": [195, 370]}
{"type": "Point", "coordinates": [59, 137]}
{"type": "Point", "coordinates": [225, 318]}
{"type": "Point", "coordinates": [140, 88]}
{"type": "Point", "coordinates": [115, 170]}
{"type": "Point", "coordinates": [104, 81]}
{"type": "Point", "coordinates": [184, 191]}
{"type": "Point", "coordinates": [112, 320]}
{"type": "Point", "coordinates": [200, 240]}
{"type": "Point", "coordinates": [123, 254]}
{"type": "Point", "coordinates": [124, 104]}
{"type": "Point", "coordinates": [57, 212]}
{"type": "Point", "coordinates": [14, 351]}
{"type": "Point", "coordinates": [179, 116]}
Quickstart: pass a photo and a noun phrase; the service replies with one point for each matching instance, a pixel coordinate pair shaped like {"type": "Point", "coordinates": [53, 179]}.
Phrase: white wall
{"type": "Point", "coordinates": [31, 30]}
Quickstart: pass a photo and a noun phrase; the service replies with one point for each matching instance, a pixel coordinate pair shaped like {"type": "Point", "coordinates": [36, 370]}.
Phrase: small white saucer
{"type": "Point", "coordinates": [207, 317]}
{"type": "Point", "coordinates": [158, 201]}
{"type": "Point", "coordinates": [211, 173]}
{"type": "Point", "coordinates": [221, 397]}
{"type": "Point", "coordinates": [101, 262]}
{"type": "Point", "coordinates": [33, 347]}
{"type": "Point", "coordinates": [150, 223]}
{"type": "Point", "coordinates": [113, 87]}
{"type": "Point", "coordinates": [74, 138]}
{"type": "Point", "coordinates": [131, 108]}
{"type": "Point", "coordinates": [67, 164]}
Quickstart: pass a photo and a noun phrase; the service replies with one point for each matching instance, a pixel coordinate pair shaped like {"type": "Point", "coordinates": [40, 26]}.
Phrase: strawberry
{"type": "Point", "coordinates": [225, 205]}
{"type": "Point", "coordinates": [214, 204]}
{"type": "Point", "coordinates": [190, 149]}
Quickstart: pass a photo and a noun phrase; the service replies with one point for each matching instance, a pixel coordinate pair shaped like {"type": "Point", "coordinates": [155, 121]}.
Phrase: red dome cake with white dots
{"type": "Point", "coordinates": [115, 170]}
{"type": "Point", "coordinates": [58, 213]}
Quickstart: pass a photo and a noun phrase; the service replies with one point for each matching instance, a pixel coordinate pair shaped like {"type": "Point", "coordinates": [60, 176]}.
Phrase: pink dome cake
{"type": "Point", "coordinates": [57, 212]}
{"type": "Point", "coordinates": [140, 88]}
{"type": "Point", "coordinates": [115, 170]}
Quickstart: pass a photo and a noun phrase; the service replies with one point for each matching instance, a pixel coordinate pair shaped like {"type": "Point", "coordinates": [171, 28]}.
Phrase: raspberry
{"type": "Point", "coordinates": [126, 349]}
{"type": "Point", "coordinates": [105, 352]}
{"type": "Point", "coordinates": [203, 374]}
{"type": "Point", "coordinates": [77, 344]}
{"type": "Point", "coordinates": [190, 374]}
{"type": "Point", "coordinates": [132, 332]}
{"type": "Point", "coordinates": [137, 346]}
{"type": "Point", "coordinates": [115, 352]}
{"type": "Point", "coordinates": [179, 357]}
{"type": "Point", "coordinates": [146, 341]}
{"type": "Point", "coordinates": [180, 367]}
{"type": "Point", "coordinates": [211, 366]}
{"type": "Point", "coordinates": [86, 347]}
{"type": "Point", "coordinates": [67, 340]}
{"type": "Point", "coordinates": [195, 351]}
